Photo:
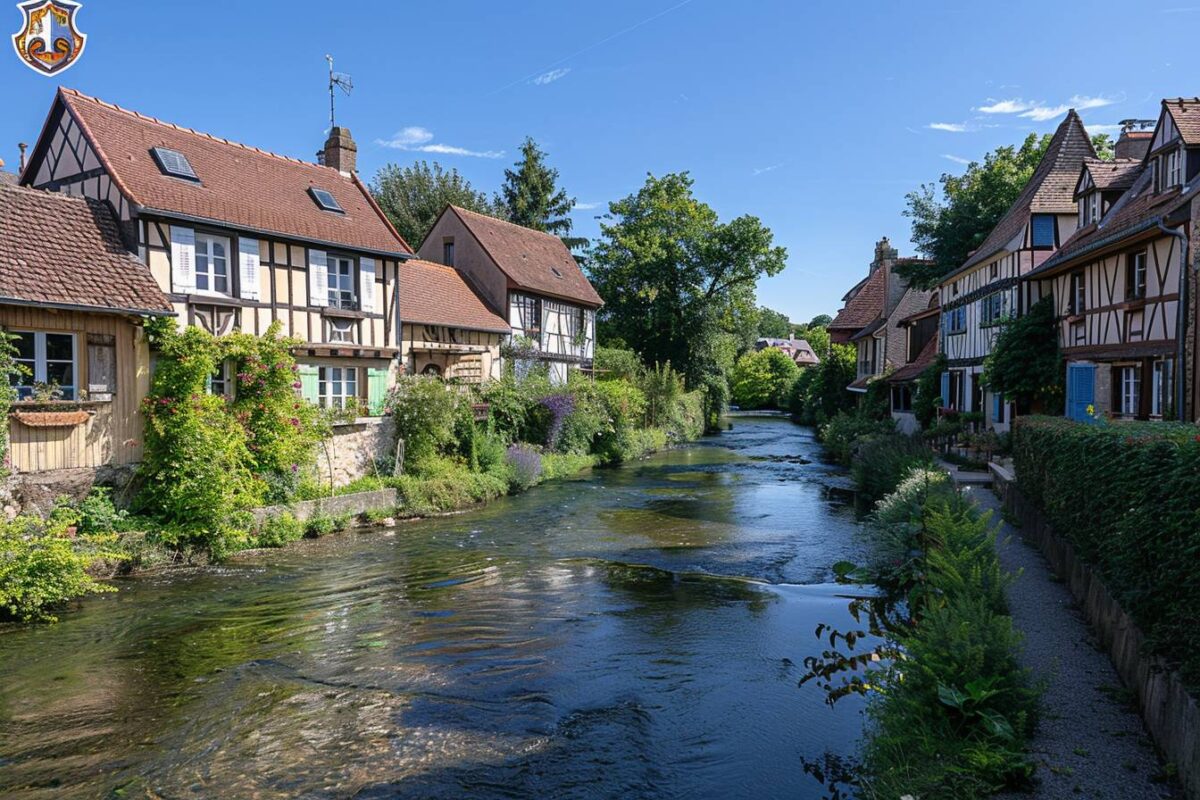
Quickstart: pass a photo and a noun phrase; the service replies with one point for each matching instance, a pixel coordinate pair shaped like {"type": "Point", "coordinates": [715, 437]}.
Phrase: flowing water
{"type": "Point", "coordinates": [635, 633]}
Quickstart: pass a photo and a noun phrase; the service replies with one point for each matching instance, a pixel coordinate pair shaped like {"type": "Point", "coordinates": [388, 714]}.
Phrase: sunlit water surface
{"type": "Point", "coordinates": [635, 633]}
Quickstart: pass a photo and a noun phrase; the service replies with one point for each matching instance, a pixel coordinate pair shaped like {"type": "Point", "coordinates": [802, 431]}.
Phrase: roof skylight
{"type": "Point", "coordinates": [325, 200]}
{"type": "Point", "coordinates": [174, 163]}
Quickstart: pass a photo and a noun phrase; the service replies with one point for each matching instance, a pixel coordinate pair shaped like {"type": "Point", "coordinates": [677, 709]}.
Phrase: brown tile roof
{"type": "Point", "coordinates": [864, 307]}
{"type": "Point", "coordinates": [1050, 190]}
{"type": "Point", "coordinates": [532, 260]}
{"type": "Point", "coordinates": [912, 370]}
{"type": "Point", "coordinates": [240, 186]}
{"type": "Point", "coordinates": [432, 294]}
{"type": "Point", "coordinates": [869, 329]}
{"type": "Point", "coordinates": [933, 308]}
{"type": "Point", "coordinates": [1120, 173]}
{"type": "Point", "coordinates": [1185, 112]}
{"type": "Point", "coordinates": [66, 251]}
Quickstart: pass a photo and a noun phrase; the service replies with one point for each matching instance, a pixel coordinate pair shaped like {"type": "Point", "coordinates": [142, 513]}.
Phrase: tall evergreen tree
{"type": "Point", "coordinates": [530, 196]}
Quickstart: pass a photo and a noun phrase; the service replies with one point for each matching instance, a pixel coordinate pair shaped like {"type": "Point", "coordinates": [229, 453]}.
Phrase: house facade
{"type": "Point", "coordinates": [528, 276]}
{"type": "Point", "coordinates": [1121, 284]}
{"type": "Point", "coordinates": [918, 334]}
{"type": "Point", "coordinates": [239, 238]}
{"type": "Point", "coordinates": [978, 296]}
{"type": "Point", "coordinates": [74, 300]}
{"type": "Point", "coordinates": [799, 350]}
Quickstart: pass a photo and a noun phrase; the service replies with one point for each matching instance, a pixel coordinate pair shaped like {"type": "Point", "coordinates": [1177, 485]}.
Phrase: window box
{"type": "Point", "coordinates": [45, 416]}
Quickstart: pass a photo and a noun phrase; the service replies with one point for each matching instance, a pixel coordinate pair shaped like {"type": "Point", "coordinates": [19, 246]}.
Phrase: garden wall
{"type": "Point", "coordinates": [355, 450]}
{"type": "Point", "coordinates": [354, 504]}
{"type": "Point", "coordinates": [1169, 711]}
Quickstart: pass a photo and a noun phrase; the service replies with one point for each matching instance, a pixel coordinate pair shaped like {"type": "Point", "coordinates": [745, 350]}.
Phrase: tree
{"type": "Point", "coordinates": [413, 196]}
{"type": "Point", "coordinates": [820, 321]}
{"type": "Point", "coordinates": [676, 281]}
{"type": "Point", "coordinates": [1105, 146]}
{"type": "Point", "coordinates": [820, 393]}
{"type": "Point", "coordinates": [1025, 364]}
{"type": "Point", "coordinates": [817, 337]}
{"type": "Point", "coordinates": [773, 324]}
{"type": "Point", "coordinates": [530, 196]}
{"type": "Point", "coordinates": [763, 378]}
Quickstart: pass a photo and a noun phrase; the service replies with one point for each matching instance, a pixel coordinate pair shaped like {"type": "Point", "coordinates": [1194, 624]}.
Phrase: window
{"type": "Point", "coordinates": [991, 308]}
{"type": "Point", "coordinates": [529, 310]}
{"type": "Point", "coordinates": [174, 163]}
{"type": "Point", "coordinates": [956, 320]}
{"type": "Point", "coordinates": [336, 386]}
{"type": "Point", "coordinates": [1130, 388]}
{"type": "Point", "coordinates": [49, 359]}
{"type": "Point", "coordinates": [1174, 169]}
{"type": "Point", "coordinates": [1135, 275]}
{"type": "Point", "coordinates": [341, 331]}
{"type": "Point", "coordinates": [1162, 397]}
{"type": "Point", "coordinates": [1078, 293]}
{"type": "Point", "coordinates": [1094, 207]}
{"type": "Point", "coordinates": [341, 282]}
{"type": "Point", "coordinates": [220, 382]}
{"type": "Point", "coordinates": [994, 271]}
{"type": "Point", "coordinates": [212, 264]}
{"type": "Point", "coordinates": [902, 398]}
{"type": "Point", "coordinates": [448, 252]}
{"type": "Point", "coordinates": [1042, 230]}
{"type": "Point", "coordinates": [324, 200]}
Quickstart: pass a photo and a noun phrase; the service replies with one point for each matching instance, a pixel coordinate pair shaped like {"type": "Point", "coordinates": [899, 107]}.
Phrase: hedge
{"type": "Point", "coordinates": [1127, 496]}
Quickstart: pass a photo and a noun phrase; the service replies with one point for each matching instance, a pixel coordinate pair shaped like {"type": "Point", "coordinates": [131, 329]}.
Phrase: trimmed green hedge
{"type": "Point", "coordinates": [1127, 496]}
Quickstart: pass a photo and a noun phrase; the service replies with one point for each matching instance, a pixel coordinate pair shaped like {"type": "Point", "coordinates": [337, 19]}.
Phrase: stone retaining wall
{"type": "Point", "coordinates": [1167, 708]}
{"type": "Point", "coordinates": [357, 503]}
{"type": "Point", "coordinates": [355, 450]}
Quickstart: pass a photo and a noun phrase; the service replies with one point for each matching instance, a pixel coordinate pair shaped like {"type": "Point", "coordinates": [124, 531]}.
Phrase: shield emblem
{"type": "Point", "coordinates": [48, 41]}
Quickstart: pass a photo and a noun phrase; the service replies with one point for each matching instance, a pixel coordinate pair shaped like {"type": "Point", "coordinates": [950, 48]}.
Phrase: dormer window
{"type": "Point", "coordinates": [1089, 208]}
{"type": "Point", "coordinates": [324, 200]}
{"type": "Point", "coordinates": [174, 163]}
{"type": "Point", "coordinates": [1173, 169]}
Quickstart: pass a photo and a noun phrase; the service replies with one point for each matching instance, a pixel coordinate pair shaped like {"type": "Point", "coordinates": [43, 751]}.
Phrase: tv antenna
{"type": "Point", "coordinates": [337, 80]}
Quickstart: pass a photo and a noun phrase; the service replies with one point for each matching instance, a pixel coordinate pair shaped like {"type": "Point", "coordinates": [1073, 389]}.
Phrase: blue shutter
{"type": "Point", "coordinates": [1043, 230]}
{"type": "Point", "coordinates": [945, 390]}
{"type": "Point", "coordinates": [1081, 391]}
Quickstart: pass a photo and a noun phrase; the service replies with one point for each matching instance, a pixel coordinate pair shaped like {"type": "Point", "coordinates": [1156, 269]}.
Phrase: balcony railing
{"type": "Point", "coordinates": [343, 303]}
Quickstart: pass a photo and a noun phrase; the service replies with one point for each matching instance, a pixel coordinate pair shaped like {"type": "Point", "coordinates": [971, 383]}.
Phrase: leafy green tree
{"type": "Point", "coordinates": [530, 196]}
{"type": "Point", "coordinates": [677, 282]}
{"type": "Point", "coordinates": [927, 395]}
{"type": "Point", "coordinates": [821, 391]}
{"type": "Point", "coordinates": [817, 337]}
{"type": "Point", "coordinates": [773, 324]}
{"type": "Point", "coordinates": [1025, 364]}
{"type": "Point", "coordinates": [1105, 146]}
{"type": "Point", "coordinates": [763, 378]}
{"type": "Point", "coordinates": [413, 196]}
{"type": "Point", "coordinates": [820, 321]}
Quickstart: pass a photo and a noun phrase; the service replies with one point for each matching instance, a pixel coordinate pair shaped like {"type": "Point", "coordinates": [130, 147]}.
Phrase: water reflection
{"type": "Point", "coordinates": [637, 633]}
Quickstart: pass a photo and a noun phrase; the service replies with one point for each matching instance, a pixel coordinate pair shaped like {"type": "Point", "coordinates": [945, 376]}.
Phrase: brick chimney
{"type": "Point", "coordinates": [340, 151]}
{"type": "Point", "coordinates": [1135, 138]}
{"type": "Point", "coordinates": [883, 252]}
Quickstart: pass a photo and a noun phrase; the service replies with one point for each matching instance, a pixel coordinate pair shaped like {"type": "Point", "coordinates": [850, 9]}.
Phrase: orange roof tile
{"type": "Point", "coordinates": [433, 294]}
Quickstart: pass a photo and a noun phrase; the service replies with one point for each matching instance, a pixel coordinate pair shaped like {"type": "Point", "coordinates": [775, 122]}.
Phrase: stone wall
{"type": "Point", "coordinates": [354, 504]}
{"type": "Point", "coordinates": [35, 492]}
{"type": "Point", "coordinates": [1168, 709]}
{"type": "Point", "coordinates": [356, 450]}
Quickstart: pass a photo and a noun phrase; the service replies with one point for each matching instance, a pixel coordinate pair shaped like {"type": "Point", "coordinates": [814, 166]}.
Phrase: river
{"type": "Point", "coordinates": [637, 632]}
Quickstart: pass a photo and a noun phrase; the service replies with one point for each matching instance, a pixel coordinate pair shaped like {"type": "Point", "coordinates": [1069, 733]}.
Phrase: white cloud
{"type": "Point", "coordinates": [956, 159]}
{"type": "Point", "coordinates": [950, 127]}
{"type": "Point", "coordinates": [551, 76]}
{"type": "Point", "coordinates": [1043, 113]}
{"type": "Point", "coordinates": [1110, 129]}
{"type": "Point", "coordinates": [1079, 102]}
{"type": "Point", "coordinates": [761, 170]}
{"type": "Point", "coordinates": [1013, 106]}
{"type": "Point", "coordinates": [420, 140]}
{"type": "Point", "coordinates": [586, 206]}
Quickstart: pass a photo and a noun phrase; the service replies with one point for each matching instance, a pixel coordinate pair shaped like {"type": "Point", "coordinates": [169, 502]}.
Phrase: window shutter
{"type": "Point", "coordinates": [183, 260]}
{"type": "Point", "coordinates": [1081, 391]}
{"type": "Point", "coordinates": [308, 383]}
{"type": "Point", "coordinates": [366, 284]}
{"type": "Point", "coordinates": [945, 390]}
{"type": "Point", "coordinates": [377, 386]}
{"type": "Point", "coordinates": [318, 278]}
{"type": "Point", "coordinates": [248, 268]}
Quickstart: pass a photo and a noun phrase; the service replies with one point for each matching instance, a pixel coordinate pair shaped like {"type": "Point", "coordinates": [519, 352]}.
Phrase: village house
{"type": "Point", "coordinates": [529, 276]}
{"type": "Point", "coordinates": [239, 238]}
{"type": "Point", "coordinates": [1120, 285]}
{"type": "Point", "coordinates": [799, 350]}
{"type": "Point", "coordinates": [919, 336]}
{"type": "Point", "coordinates": [73, 298]}
{"type": "Point", "coordinates": [872, 311]}
{"type": "Point", "coordinates": [978, 296]}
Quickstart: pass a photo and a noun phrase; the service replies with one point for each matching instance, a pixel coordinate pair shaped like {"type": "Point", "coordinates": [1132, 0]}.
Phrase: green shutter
{"type": "Point", "coordinates": [308, 383]}
{"type": "Point", "coordinates": [377, 386]}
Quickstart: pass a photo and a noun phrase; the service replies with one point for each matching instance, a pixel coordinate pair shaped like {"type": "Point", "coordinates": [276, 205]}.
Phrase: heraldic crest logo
{"type": "Point", "coordinates": [48, 41]}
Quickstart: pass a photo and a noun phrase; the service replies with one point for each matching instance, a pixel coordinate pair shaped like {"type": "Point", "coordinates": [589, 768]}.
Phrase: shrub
{"type": "Point", "coordinates": [662, 388]}
{"type": "Point", "coordinates": [1127, 497]}
{"type": "Point", "coordinates": [525, 467]}
{"type": "Point", "coordinates": [623, 409]}
{"type": "Point", "coordinates": [763, 379]}
{"type": "Point", "coordinates": [843, 431]}
{"type": "Point", "coordinates": [612, 363]}
{"type": "Point", "coordinates": [97, 514]}
{"type": "Point", "coordinates": [279, 530]}
{"type": "Point", "coordinates": [426, 411]}
{"type": "Point", "coordinates": [41, 568]}
{"type": "Point", "coordinates": [881, 462]}
{"type": "Point", "coordinates": [825, 393]}
{"type": "Point", "coordinates": [1025, 363]}
{"type": "Point", "coordinates": [686, 420]}
{"type": "Point", "coordinates": [319, 525]}
{"type": "Point", "coordinates": [714, 389]}
{"type": "Point", "coordinates": [447, 486]}
{"type": "Point", "coordinates": [511, 402]}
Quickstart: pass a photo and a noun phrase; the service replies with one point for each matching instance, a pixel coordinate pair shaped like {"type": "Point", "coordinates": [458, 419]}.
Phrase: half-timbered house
{"type": "Point", "coordinates": [73, 299]}
{"type": "Point", "coordinates": [529, 276]}
{"type": "Point", "coordinates": [240, 238]}
{"type": "Point", "coordinates": [978, 296]}
{"type": "Point", "coordinates": [1120, 284]}
{"type": "Point", "coordinates": [917, 333]}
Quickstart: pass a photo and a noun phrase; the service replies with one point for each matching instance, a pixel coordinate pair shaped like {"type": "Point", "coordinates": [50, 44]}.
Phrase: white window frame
{"type": "Point", "coordinates": [1131, 390]}
{"type": "Point", "coordinates": [339, 334]}
{"type": "Point", "coordinates": [1161, 387]}
{"type": "Point", "coordinates": [1174, 165]}
{"type": "Point", "coordinates": [221, 382]}
{"type": "Point", "coordinates": [339, 295]}
{"type": "Point", "coordinates": [1078, 292]}
{"type": "Point", "coordinates": [206, 255]}
{"type": "Point", "coordinates": [39, 371]}
{"type": "Point", "coordinates": [1139, 270]}
{"type": "Point", "coordinates": [1093, 207]}
{"type": "Point", "coordinates": [335, 385]}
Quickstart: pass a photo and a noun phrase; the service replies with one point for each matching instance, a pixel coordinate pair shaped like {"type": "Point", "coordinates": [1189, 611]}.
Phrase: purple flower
{"type": "Point", "coordinates": [526, 464]}
{"type": "Point", "coordinates": [560, 407]}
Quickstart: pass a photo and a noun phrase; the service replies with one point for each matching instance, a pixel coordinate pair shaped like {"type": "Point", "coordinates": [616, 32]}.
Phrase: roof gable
{"type": "Point", "coordinates": [1179, 119]}
{"type": "Point", "coordinates": [865, 306]}
{"type": "Point", "coordinates": [237, 185]}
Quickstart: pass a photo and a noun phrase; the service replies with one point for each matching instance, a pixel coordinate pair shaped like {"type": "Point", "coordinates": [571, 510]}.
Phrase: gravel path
{"type": "Point", "coordinates": [1090, 743]}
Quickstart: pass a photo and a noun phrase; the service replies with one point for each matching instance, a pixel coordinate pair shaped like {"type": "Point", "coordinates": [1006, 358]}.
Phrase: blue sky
{"type": "Point", "coordinates": [817, 118]}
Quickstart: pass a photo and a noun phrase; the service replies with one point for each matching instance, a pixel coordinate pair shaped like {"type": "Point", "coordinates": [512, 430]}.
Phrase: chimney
{"type": "Point", "coordinates": [340, 152]}
{"type": "Point", "coordinates": [1135, 138]}
{"type": "Point", "coordinates": [21, 146]}
{"type": "Point", "coordinates": [883, 252]}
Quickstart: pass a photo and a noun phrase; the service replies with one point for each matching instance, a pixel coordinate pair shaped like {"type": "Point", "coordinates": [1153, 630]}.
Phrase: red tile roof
{"type": "Point", "coordinates": [240, 186]}
{"type": "Point", "coordinates": [864, 307]}
{"type": "Point", "coordinates": [65, 251]}
{"type": "Point", "coordinates": [432, 294]}
{"type": "Point", "coordinates": [1120, 173]}
{"type": "Point", "coordinates": [532, 260]}
{"type": "Point", "coordinates": [913, 369]}
{"type": "Point", "coordinates": [1185, 112]}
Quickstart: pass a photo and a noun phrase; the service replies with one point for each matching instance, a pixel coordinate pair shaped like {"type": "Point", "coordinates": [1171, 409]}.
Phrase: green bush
{"type": "Point", "coordinates": [41, 567]}
{"type": "Point", "coordinates": [662, 388]}
{"type": "Point", "coordinates": [612, 363]}
{"type": "Point", "coordinates": [927, 396]}
{"type": "Point", "coordinates": [511, 404]}
{"type": "Point", "coordinates": [448, 486]}
{"type": "Point", "coordinates": [880, 462]}
{"type": "Point", "coordinates": [843, 431]}
{"type": "Point", "coordinates": [279, 530]}
{"type": "Point", "coordinates": [319, 525]}
{"type": "Point", "coordinates": [426, 412]}
{"type": "Point", "coordinates": [97, 514]}
{"type": "Point", "coordinates": [763, 379]}
{"type": "Point", "coordinates": [1127, 497]}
